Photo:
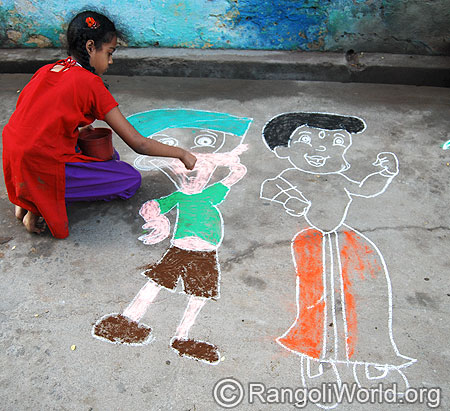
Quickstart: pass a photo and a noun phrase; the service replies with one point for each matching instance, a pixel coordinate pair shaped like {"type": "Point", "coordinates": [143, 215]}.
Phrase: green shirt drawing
{"type": "Point", "coordinates": [197, 213]}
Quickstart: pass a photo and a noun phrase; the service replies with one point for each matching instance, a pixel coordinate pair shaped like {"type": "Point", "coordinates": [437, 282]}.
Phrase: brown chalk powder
{"type": "Point", "coordinates": [117, 328]}
{"type": "Point", "coordinates": [198, 270]}
{"type": "Point", "coordinates": [197, 350]}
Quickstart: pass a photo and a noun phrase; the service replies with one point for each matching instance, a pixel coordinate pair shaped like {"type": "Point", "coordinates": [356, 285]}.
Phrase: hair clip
{"type": "Point", "coordinates": [92, 24]}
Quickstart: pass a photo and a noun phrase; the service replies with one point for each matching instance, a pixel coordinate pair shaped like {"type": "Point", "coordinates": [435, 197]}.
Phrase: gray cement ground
{"type": "Point", "coordinates": [54, 290]}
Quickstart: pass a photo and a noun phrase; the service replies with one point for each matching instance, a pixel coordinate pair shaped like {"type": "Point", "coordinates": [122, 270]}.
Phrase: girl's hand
{"type": "Point", "coordinates": [143, 145]}
{"type": "Point", "coordinates": [188, 159]}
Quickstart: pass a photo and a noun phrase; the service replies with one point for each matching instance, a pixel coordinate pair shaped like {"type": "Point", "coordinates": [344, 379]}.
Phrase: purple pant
{"type": "Point", "coordinates": [105, 180]}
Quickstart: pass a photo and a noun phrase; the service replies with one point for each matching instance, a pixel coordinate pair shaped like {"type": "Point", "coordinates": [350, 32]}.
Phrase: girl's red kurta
{"type": "Point", "coordinates": [41, 136]}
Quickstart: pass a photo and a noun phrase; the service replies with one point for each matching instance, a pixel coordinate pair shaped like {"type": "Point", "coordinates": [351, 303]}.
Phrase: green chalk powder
{"type": "Point", "coordinates": [197, 214]}
{"type": "Point", "coordinates": [446, 145]}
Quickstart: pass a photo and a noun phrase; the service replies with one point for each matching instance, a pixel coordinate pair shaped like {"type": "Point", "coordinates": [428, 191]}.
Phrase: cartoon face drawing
{"type": "Point", "coordinates": [212, 148]}
{"type": "Point", "coordinates": [318, 151]}
{"type": "Point", "coordinates": [215, 139]}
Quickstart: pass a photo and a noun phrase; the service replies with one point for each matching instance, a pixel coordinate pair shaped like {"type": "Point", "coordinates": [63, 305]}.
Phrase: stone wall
{"type": "Point", "coordinates": [389, 26]}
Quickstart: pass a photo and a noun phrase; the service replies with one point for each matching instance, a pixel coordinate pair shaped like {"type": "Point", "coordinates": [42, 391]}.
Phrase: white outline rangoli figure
{"type": "Point", "coordinates": [343, 285]}
{"type": "Point", "coordinates": [216, 140]}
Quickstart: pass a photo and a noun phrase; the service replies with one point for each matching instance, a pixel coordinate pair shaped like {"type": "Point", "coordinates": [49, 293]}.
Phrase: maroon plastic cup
{"type": "Point", "coordinates": [96, 142]}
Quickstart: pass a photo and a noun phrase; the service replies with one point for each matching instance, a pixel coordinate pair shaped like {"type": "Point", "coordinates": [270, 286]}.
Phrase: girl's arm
{"type": "Point", "coordinates": [142, 145]}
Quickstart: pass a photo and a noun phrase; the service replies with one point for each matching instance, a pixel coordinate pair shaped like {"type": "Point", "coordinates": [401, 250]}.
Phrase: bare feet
{"type": "Point", "coordinates": [33, 223]}
{"type": "Point", "coordinates": [20, 212]}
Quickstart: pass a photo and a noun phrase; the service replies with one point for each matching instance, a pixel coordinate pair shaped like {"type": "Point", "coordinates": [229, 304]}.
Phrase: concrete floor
{"type": "Point", "coordinates": [54, 290]}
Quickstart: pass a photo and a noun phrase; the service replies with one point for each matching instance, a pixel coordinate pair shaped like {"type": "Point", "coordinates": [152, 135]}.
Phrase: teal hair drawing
{"type": "Point", "coordinates": [150, 122]}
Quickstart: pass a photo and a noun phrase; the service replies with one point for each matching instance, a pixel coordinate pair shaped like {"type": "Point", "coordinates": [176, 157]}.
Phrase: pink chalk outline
{"type": "Point", "coordinates": [188, 182]}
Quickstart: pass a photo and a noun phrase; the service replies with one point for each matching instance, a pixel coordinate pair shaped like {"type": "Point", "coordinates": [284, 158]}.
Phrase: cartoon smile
{"type": "Point", "coordinates": [316, 161]}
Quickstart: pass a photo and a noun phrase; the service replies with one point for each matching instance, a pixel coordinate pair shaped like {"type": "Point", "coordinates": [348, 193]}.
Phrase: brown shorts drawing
{"type": "Point", "coordinates": [198, 271]}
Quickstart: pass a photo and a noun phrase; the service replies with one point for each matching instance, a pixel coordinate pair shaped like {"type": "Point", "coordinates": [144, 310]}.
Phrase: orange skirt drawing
{"type": "Point", "coordinates": [344, 300]}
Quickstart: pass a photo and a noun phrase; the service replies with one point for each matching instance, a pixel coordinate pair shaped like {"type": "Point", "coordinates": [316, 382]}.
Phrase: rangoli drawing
{"type": "Point", "coordinates": [216, 139]}
{"type": "Point", "coordinates": [344, 295]}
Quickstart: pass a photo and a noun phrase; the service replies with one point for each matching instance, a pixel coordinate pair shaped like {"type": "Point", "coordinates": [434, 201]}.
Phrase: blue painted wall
{"type": "Point", "coordinates": [398, 26]}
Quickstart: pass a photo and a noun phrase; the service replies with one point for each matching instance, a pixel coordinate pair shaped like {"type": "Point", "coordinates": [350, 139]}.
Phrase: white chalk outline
{"type": "Point", "coordinates": [292, 191]}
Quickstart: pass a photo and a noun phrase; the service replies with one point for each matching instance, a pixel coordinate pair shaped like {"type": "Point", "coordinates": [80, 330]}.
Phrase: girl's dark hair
{"type": "Point", "coordinates": [100, 30]}
{"type": "Point", "coordinates": [278, 131]}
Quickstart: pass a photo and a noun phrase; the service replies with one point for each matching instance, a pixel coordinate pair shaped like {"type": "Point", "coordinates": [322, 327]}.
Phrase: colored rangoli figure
{"type": "Point", "coordinates": [344, 299]}
{"type": "Point", "coordinates": [216, 140]}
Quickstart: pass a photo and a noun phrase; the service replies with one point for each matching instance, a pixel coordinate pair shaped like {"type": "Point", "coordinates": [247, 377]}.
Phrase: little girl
{"type": "Point", "coordinates": [42, 168]}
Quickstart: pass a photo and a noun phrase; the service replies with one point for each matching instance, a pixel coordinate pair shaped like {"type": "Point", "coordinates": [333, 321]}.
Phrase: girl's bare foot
{"type": "Point", "coordinates": [20, 212]}
{"type": "Point", "coordinates": [33, 223]}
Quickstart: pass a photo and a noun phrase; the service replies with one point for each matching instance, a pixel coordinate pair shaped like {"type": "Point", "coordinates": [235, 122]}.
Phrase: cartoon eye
{"type": "Point", "coordinates": [170, 141]}
{"type": "Point", "coordinates": [339, 141]}
{"type": "Point", "coordinates": [205, 141]}
{"type": "Point", "coordinates": [304, 138]}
